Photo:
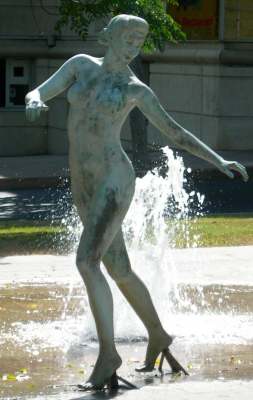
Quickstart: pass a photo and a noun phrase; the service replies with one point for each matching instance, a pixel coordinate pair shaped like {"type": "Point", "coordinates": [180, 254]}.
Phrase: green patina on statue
{"type": "Point", "coordinates": [101, 94]}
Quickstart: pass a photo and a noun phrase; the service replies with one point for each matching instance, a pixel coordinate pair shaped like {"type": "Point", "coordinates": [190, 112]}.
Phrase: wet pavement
{"type": "Point", "coordinates": [47, 337]}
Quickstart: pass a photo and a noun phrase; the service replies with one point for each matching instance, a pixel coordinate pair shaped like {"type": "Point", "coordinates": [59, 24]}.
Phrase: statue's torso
{"type": "Point", "coordinates": [99, 105]}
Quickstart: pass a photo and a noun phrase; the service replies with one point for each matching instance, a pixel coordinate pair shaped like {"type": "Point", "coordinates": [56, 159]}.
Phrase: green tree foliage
{"type": "Point", "coordinates": [79, 14]}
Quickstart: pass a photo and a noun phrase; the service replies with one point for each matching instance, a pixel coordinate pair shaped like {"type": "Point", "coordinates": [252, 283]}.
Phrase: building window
{"type": "Point", "coordinates": [14, 82]}
{"type": "Point", "coordinates": [198, 18]}
{"type": "Point", "coordinates": [18, 71]}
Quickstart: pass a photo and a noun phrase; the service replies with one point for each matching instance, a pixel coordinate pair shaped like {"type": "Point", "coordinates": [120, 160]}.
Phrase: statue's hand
{"type": "Point", "coordinates": [34, 108]}
{"type": "Point", "coordinates": [228, 166]}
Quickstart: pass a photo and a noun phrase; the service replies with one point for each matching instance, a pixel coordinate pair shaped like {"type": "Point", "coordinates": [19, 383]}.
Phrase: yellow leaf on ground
{"type": "Point", "coordinates": [31, 386]}
{"type": "Point", "coordinates": [177, 375]}
{"type": "Point", "coordinates": [23, 370]}
{"type": "Point", "coordinates": [11, 377]}
{"type": "Point", "coordinates": [33, 306]}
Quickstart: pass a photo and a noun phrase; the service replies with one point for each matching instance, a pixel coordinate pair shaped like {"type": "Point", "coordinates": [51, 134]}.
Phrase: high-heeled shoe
{"type": "Point", "coordinates": [173, 363]}
{"type": "Point", "coordinates": [110, 384]}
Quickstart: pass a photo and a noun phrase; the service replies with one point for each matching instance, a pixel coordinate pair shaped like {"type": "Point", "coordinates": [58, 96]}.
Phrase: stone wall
{"type": "Point", "coordinates": [207, 86]}
{"type": "Point", "coordinates": [209, 92]}
{"type": "Point", "coordinates": [27, 33]}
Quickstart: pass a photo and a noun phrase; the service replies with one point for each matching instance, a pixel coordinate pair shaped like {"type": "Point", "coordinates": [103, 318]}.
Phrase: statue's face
{"type": "Point", "coordinates": [127, 46]}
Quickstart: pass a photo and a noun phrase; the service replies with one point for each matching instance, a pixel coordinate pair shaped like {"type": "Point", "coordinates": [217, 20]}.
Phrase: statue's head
{"type": "Point", "coordinates": [125, 34]}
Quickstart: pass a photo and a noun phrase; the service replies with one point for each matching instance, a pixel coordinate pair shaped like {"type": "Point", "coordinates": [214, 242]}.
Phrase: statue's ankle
{"type": "Point", "coordinates": [109, 352]}
{"type": "Point", "coordinates": [160, 335]}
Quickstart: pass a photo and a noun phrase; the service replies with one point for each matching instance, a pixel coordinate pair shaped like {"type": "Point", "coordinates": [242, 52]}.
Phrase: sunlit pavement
{"type": "Point", "coordinates": [46, 345]}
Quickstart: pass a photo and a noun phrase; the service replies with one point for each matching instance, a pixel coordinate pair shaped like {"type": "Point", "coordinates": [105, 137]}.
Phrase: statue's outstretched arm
{"type": "Point", "coordinates": [149, 104]}
{"type": "Point", "coordinates": [57, 83]}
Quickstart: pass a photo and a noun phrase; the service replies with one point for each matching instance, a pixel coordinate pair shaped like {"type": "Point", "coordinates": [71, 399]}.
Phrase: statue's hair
{"type": "Point", "coordinates": [120, 24]}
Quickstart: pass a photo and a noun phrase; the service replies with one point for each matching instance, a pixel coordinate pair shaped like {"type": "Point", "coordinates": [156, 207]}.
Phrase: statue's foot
{"type": "Point", "coordinates": [104, 373]}
{"type": "Point", "coordinates": [175, 366]}
{"type": "Point", "coordinates": [157, 343]}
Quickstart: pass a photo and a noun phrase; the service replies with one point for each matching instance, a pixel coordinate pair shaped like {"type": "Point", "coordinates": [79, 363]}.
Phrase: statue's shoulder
{"type": "Point", "coordinates": [138, 86]}
{"type": "Point", "coordinates": [83, 61]}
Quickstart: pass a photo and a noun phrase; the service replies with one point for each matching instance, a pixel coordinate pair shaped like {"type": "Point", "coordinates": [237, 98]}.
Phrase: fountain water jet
{"type": "Point", "coordinates": [160, 211]}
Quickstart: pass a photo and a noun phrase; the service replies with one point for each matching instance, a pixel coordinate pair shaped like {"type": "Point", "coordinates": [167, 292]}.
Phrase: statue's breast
{"type": "Point", "coordinates": [110, 99]}
{"type": "Point", "coordinates": [99, 95]}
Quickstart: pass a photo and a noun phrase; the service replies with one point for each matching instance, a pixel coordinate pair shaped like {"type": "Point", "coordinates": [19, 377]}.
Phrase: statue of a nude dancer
{"type": "Point", "coordinates": [101, 94]}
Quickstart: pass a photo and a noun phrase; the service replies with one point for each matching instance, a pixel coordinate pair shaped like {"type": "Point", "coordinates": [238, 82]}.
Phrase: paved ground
{"type": "Point", "coordinates": [232, 390]}
{"type": "Point", "coordinates": [27, 193]}
{"type": "Point", "coordinates": [215, 265]}
{"type": "Point", "coordinates": [39, 204]}
{"type": "Point", "coordinates": [34, 333]}
{"type": "Point", "coordinates": [34, 188]}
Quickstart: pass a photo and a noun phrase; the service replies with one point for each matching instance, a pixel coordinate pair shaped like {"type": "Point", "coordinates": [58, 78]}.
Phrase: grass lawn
{"type": "Point", "coordinates": [27, 238]}
{"type": "Point", "coordinates": [24, 237]}
{"type": "Point", "coordinates": [229, 230]}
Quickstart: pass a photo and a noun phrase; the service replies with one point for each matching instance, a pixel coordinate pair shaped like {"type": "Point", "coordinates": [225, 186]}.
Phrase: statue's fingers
{"type": "Point", "coordinates": [44, 107]}
{"type": "Point", "coordinates": [242, 170]}
{"type": "Point", "coordinates": [37, 113]}
{"type": "Point", "coordinates": [226, 170]}
{"type": "Point", "coordinates": [32, 114]}
{"type": "Point", "coordinates": [229, 173]}
{"type": "Point", "coordinates": [29, 114]}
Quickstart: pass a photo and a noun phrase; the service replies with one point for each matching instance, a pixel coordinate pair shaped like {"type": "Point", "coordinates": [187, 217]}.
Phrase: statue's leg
{"type": "Point", "coordinates": [118, 266]}
{"type": "Point", "coordinates": [102, 221]}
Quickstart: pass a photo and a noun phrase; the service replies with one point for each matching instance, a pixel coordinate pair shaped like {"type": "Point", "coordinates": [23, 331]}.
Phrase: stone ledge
{"type": "Point", "coordinates": [33, 171]}
{"type": "Point", "coordinates": [51, 170]}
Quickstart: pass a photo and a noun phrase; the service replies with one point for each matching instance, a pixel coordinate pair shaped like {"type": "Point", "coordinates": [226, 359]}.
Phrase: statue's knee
{"type": "Point", "coordinates": [81, 265]}
{"type": "Point", "coordinates": [120, 276]}
{"type": "Point", "coordinates": [84, 267]}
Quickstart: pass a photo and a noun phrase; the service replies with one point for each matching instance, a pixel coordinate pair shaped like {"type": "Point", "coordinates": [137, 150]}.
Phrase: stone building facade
{"type": "Point", "coordinates": [205, 83]}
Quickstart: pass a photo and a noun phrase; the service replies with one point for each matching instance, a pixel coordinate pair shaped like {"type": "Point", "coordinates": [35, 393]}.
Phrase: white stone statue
{"type": "Point", "coordinates": [101, 94]}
